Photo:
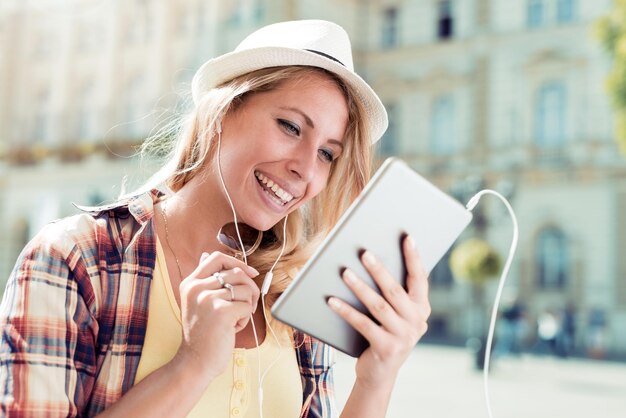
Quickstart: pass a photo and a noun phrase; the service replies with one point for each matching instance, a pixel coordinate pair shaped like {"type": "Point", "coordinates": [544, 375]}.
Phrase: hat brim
{"type": "Point", "coordinates": [233, 64]}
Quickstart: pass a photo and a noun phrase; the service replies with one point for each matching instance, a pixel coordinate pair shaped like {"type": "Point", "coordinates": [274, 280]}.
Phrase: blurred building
{"type": "Point", "coordinates": [504, 94]}
{"type": "Point", "coordinates": [508, 94]}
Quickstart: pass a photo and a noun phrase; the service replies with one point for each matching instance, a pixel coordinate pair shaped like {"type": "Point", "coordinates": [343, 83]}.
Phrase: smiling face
{"type": "Point", "coordinates": [278, 147]}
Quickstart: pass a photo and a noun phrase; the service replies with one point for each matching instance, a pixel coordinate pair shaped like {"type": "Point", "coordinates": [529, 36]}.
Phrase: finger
{"type": "Point", "coordinates": [360, 322]}
{"type": "Point", "coordinates": [417, 279]}
{"type": "Point", "coordinates": [234, 277]}
{"type": "Point", "coordinates": [389, 286]}
{"type": "Point", "coordinates": [242, 313]}
{"type": "Point", "coordinates": [240, 280]}
{"type": "Point", "coordinates": [241, 324]}
{"type": "Point", "coordinates": [374, 302]}
{"type": "Point", "coordinates": [246, 292]}
{"type": "Point", "coordinates": [218, 261]}
{"type": "Point", "coordinates": [237, 294]}
{"type": "Point", "coordinates": [244, 288]}
{"type": "Point", "coordinates": [230, 312]}
{"type": "Point", "coordinates": [241, 293]}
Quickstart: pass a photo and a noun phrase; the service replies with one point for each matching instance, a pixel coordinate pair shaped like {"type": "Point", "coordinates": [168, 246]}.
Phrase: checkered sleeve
{"type": "Point", "coordinates": [47, 352]}
{"type": "Point", "coordinates": [316, 361]}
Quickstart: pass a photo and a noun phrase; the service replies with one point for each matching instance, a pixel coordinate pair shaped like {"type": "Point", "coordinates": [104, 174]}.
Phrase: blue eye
{"type": "Point", "coordinates": [327, 156]}
{"type": "Point", "coordinates": [291, 128]}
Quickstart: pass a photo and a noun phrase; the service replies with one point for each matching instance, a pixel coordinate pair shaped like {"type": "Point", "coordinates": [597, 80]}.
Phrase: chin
{"type": "Point", "coordinates": [268, 226]}
{"type": "Point", "coordinates": [264, 221]}
{"type": "Point", "coordinates": [260, 224]}
{"type": "Point", "coordinates": [265, 224]}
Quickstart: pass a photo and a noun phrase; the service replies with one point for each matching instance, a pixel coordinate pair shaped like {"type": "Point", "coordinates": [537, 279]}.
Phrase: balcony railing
{"type": "Point", "coordinates": [23, 155]}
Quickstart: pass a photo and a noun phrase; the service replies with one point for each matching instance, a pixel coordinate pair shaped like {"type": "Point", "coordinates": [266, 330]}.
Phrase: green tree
{"type": "Point", "coordinates": [611, 30]}
{"type": "Point", "coordinates": [475, 261]}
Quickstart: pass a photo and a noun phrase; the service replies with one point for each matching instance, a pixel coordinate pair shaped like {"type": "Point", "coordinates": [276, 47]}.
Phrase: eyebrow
{"type": "Point", "coordinates": [306, 117]}
{"type": "Point", "coordinates": [309, 122]}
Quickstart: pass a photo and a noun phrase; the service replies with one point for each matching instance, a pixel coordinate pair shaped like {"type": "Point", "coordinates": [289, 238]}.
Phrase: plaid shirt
{"type": "Point", "coordinates": [74, 316]}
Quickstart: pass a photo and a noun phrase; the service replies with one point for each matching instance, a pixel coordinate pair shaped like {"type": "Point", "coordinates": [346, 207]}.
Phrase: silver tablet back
{"type": "Point", "coordinates": [395, 202]}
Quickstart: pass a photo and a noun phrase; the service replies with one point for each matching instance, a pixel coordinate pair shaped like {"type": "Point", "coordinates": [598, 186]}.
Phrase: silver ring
{"type": "Point", "coordinates": [219, 276]}
{"type": "Point", "coordinates": [232, 290]}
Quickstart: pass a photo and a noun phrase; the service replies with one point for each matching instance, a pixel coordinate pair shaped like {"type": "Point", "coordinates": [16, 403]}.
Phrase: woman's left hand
{"type": "Point", "coordinates": [402, 315]}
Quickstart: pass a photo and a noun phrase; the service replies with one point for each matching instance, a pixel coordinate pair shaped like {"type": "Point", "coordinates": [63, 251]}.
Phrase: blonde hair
{"type": "Point", "coordinates": [306, 226]}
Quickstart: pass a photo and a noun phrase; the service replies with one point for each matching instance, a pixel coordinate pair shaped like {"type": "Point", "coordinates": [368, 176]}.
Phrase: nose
{"type": "Point", "coordinates": [303, 163]}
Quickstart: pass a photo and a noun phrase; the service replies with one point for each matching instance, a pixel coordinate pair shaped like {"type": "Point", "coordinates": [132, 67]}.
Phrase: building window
{"type": "Point", "coordinates": [245, 13]}
{"type": "Point", "coordinates": [442, 126]}
{"type": "Point", "coordinates": [258, 11]}
{"type": "Point", "coordinates": [445, 20]}
{"type": "Point", "coordinates": [552, 259]}
{"type": "Point", "coordinates": [565, 11]}
{"type": "Point", "coordinates": [390, 140]}
{"type": "Point", "coordinates": [134, 106]}
{"type": "Point", "coordinates": [133, 30]}
{"type": "Point", "coordinates": [535, 13]}
{"type": "Point", "coordinates": [550, 115]}
{"type": "Point", "coordinates": [201, 18]}
{"type": "Point", "coordinates": [390, 28]}
{"type": "Point", "coordinates": [86, 115]}
{"type": "Point", "coordinates": [514, 126]}
{"type": "Point", "coordinates": [186, 19]}
{"type": "Point", "coordinates": [41, 123]}
{"type": "Point", "coordinates": [148, 24]}
{"type": "Point", "coordinates": [88, 39]}
{"type": "Point", "coordinates": [46, 44]}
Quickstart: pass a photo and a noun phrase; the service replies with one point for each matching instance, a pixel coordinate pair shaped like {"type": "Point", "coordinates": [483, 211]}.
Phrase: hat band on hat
{"type": "Point", "coordinates": [325, 55]}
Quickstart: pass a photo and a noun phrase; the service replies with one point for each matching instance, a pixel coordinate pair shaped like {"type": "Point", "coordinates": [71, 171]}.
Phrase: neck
{"type": "Point", "coordinates": [195, 214]}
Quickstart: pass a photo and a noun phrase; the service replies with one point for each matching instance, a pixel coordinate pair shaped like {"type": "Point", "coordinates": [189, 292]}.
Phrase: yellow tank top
{"type": "Point", "coordinates": [234, 393]}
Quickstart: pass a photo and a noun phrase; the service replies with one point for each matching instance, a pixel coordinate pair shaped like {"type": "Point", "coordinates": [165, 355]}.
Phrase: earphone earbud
{"type": "Point", "coordinates": [267, 282]}
{"type": "Point", "coordinates": [218, 125]}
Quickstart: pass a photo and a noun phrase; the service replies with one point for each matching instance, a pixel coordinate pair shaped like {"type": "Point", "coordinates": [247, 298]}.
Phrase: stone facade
{"type": "Point", "coordinates": [505, 94]}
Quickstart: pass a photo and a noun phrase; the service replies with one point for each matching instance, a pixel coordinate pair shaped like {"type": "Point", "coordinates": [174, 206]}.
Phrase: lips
{"type": "Point", "coordinates": [276, 192]}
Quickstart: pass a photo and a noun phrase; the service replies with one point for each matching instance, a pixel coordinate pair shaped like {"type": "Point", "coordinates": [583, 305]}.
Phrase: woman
{"type": "Point", "coordinates": [148, 307]}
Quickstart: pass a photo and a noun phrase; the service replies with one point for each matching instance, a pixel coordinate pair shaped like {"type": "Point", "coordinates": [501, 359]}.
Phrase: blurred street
{"type": "Point", "coordinates": [439, 381]}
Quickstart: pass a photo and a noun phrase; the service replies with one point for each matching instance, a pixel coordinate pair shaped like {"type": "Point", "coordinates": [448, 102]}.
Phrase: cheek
{"type": "Point", "coordinates": [316, 187]}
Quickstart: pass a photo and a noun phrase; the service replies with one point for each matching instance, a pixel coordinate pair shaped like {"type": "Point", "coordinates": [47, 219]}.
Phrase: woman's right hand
{"type": "Point", "coordinates": [210, 318]}
{"type": "Point", "coordinates": [210, 321]}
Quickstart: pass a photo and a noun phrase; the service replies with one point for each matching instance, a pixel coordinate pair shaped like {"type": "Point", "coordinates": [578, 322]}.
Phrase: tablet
{"type": "Point", "coordinates": [395, 202]}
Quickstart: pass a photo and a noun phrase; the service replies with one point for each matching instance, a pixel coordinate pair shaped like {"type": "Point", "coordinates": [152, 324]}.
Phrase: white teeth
{"type": "Point", "coordinates": [284, 196]}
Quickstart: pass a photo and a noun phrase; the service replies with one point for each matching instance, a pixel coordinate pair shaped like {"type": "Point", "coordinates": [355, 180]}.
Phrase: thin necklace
{"type": "Point", "coordinates": [167, 239]}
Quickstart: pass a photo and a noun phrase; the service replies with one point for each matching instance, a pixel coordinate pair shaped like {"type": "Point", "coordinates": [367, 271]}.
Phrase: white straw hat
{"type": "Point", "coordinates": [315, 43]}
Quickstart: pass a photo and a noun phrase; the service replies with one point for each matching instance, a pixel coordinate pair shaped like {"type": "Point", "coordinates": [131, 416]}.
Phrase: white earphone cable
{"type": "Point", "coordinates": [264, 289]}
{"type": "Point", "coordinates": [269, 275]}
{"type": "Point", "coordinates": [505, 271]}
{"type": "Point", "coordinates": [230, 202]}
{"type": "Point", "coordinates": [266, 281]}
